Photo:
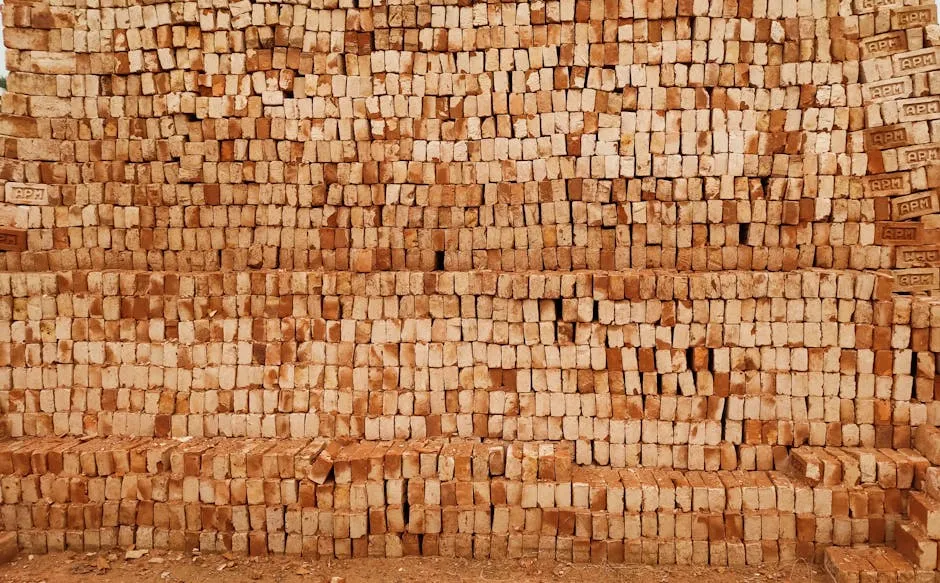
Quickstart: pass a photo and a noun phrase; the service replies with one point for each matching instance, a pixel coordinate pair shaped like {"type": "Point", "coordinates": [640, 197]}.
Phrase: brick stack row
{"type": "Point", "coordinates": [696, 135]}
{"type": "Point", "coordinates": [334, 498]}
{"type": "Point", "coordinates": [700, 371]}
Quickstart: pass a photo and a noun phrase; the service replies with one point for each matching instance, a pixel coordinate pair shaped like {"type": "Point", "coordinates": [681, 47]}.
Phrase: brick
{"type": "Point", "coordinates": [9, 547]}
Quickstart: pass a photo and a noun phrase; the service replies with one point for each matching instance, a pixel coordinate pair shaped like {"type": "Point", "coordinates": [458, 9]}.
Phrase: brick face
{"type": "Point", "coordinates": [609, 281]}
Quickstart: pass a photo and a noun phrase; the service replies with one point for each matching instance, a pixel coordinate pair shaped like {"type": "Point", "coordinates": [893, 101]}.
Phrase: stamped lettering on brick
{"type": "Point", "coordinates": [888, 89]}
{"type": "Point", "coordinates": [863, 6]}
{"type": "Point", "coordinates": [914, 205]}
{"type": "Point", "coordinates": [886, 137]}
{"type": "Point", "coordinates": [920, 279]}
{"type": "Point", "coordinates": [12, 239]}
{"type": "Point", "coordinates": [884, 44]}
{"type": "Point", "coordinates": [919, 109]}
{"type": "Point", "coordinates": [887, 184]}
{"type": "Point", "coordinates": [923, 256]}
{"type": "Point", "coordinates": [919, 61]}
{"type": "Point", "coordinates": [917, 156]}
{"type": "Point", "coordinates": [913, 16]}
{"type": "Point", "coordinates": [17, 193]}
{"type": "Point", "coordinates": [891, 233]}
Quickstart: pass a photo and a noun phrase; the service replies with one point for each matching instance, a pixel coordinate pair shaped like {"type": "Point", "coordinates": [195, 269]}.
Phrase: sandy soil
{"type": "Point", "coordinates": [165, 567]}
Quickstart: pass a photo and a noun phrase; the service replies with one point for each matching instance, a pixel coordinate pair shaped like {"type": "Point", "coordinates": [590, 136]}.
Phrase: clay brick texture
{"type": "Point", "coordinates": [594, 280]}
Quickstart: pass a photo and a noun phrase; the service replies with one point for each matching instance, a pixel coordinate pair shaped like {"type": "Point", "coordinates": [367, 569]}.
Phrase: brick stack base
{"type": "Point", "coordinates": [464, 498]}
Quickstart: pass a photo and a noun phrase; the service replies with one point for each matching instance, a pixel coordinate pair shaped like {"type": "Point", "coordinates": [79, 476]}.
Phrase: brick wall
{"type": "Point", "coordinates": [690, 235]}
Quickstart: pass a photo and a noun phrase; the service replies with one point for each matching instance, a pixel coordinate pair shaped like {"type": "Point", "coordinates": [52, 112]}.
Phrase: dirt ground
{"type": "Point", "coordinates": [163, 567]}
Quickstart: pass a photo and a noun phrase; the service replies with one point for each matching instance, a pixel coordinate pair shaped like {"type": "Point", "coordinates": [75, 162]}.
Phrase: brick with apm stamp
{"type": "Point", "coordinates": [913, 16]}
{"type": "Point", "coordinates": [888, 89]}
{"type": "Point", "coordinates": [919, 61]}
{"type": "Point", "coordinates": [919, 108]}
{"type": "Point", "coordinates": [886, 137]}
{"type": "Point", "coordinates": [863, 6]}
{"type": "Point", "coordinates": [17, 193]}
{"type": "Point", "coordinates": [914, 205]}
{"type": "Point", "coordinates": [883, 45]}
{"type": "Point", "coordinates": [895, 233]}
{"type": "Point", "coordinates": [914, 280]}
{"type": "Point", "coordinates": [894, 183]}
{"type": "Point", "coordinates": [920, 256]}
{"type": "Point", "coordinates": [916, 156]}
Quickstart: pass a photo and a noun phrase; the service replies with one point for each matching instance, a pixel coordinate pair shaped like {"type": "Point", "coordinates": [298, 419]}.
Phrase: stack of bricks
{"type": "Point", "coordinates": [551, 135]}
{"type": "Point", "coordinates": [901, 69]}
{"type": "Point", "coordinates": [915, 559]}
{"type": "Point", "coordinates": [855, 565]}
{"type": "Point", "coordinates": [917, 538]}
{"type": "Point", "coordinates": [687, 371]}
{"type": "Point", "coordinates": [336, 498]}
{"type": "Point", "coordinates": [615, 280]}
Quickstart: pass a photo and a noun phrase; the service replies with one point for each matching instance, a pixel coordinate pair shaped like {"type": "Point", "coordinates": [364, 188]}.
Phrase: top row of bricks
{"type": "Point", "coordinates": [152, 13]}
